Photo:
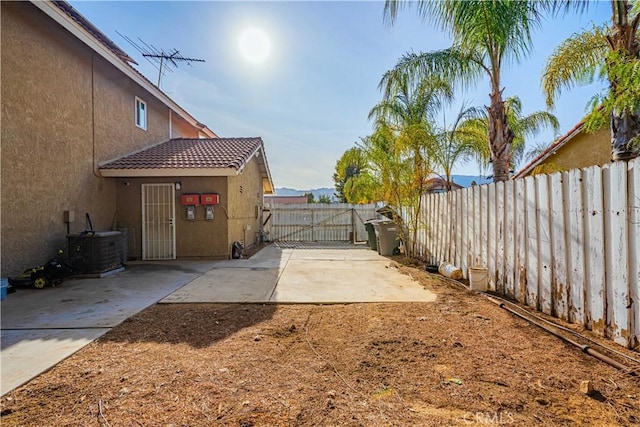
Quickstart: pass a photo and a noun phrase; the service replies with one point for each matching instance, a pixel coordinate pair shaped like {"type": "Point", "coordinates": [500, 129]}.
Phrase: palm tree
{"type": "Point", "coordinates": [486, 34]}
{"type": "Point", "coordinates": [523, 127]}
{"type": "Point", "coordinates": [611, 52]}
{"type": "Point", "coordinates": [410, 110]}
{"type": "Point", "coordinates": [454, 144]}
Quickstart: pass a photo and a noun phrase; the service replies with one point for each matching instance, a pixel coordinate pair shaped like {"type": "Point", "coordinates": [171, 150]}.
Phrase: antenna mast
{"type": "Point", "coordinates": [160, 59]}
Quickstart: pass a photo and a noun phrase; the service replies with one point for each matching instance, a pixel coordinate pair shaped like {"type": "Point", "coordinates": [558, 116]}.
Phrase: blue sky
{"type": "Point", "coordinates": [309, 100]}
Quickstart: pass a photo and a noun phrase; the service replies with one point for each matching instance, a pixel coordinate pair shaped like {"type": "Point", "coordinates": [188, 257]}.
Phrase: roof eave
{"type": "Point", "coordinates": [269, 188]}
{"type": "Point", "coordinates": [166, 172]}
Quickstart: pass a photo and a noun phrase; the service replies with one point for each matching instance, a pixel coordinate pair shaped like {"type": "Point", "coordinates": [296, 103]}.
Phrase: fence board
{"type": "Point", "coordinates": [509, 272]}
{"type": "Point", "coordinates": [463, 219]}
{"type": "Point", "coordinates": [615, 184]}
{"type": "Point", "coordinates": [633, 197]}
{"type": "Point", "coordinates": [560, 282]}
{"type": "Point", "coordinates": [431, 225]}
{"type": "Point", "coordinates": [594, 250]}
{"type": "Point", "coordinates": [500, 225]}
{"type": "Point", "coordinates": [492, 235]}
{"type": "Point", "coordinates": [520, 265]}
{"type": "Point", "coordinates": [532, 243]}
{"type": "Point", "coordinates": [477, 228]}
{"type": "Point", "coordinates": [544, 243]}
{"type": "Point", "coordinates": [484, 226]}
{"type": "Point", "coordinates": [575, 246]}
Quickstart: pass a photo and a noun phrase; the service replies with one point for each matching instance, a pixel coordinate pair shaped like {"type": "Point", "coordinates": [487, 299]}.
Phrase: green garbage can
{"type": "Point", "coordinates": [387, 236]}
{"type": "Point", "coordinates": [371, 233]}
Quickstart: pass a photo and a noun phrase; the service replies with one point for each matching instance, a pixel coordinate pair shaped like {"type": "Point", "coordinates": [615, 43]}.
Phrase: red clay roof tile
{"type": "Point", "coordinates": [191, 153]}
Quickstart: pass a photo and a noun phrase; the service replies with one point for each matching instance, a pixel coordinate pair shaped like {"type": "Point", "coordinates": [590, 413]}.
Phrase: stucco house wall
{"type": "Point", "coordinates": [245, 195]}
{"type": "Point", "coordinates": [64, 110]}
{"type": "Point", "coordinates": [199, 238]}
{"type": "Point", "coordinates": [579, 151]}
{"type": "Point", "coordinates": [180, 128]}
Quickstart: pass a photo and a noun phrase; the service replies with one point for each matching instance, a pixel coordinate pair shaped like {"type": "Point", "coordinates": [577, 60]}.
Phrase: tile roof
{"type": "Point", "coordinates": [183, 153]}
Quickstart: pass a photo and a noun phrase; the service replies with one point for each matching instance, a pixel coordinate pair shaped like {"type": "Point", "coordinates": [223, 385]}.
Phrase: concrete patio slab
{"type": "Point", "coordinates": [355, 253]}
{"type": "Point", "coordinates": [41, 327]}
{"type": "Point", "coordinates": [92, 303]}
{"type": "Point", "coordinates": [229, 285]}
{"type": "Point", "coordinates": [337, 281]}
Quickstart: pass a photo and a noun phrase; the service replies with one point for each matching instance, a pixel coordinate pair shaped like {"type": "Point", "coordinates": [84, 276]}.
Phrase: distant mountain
{"type": "Point", "coordinates": [463, 180]}
{"type": "Point", "coordinates": [466, 180]}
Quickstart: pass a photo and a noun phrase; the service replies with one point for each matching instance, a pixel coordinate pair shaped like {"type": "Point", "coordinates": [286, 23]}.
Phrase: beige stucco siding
{"type": "Point", "coordinates": [54, 90]}
{"type": "Point", "coordinates": [180, 128]}
{"type": "Point", "coordinates": [244, 197]}
{"type": "Point", "coordinates": [116, 131]}
{"type": "Point", "coordinates": [199, 238]}
{"type": "Point", "coordinates": [582, 150]}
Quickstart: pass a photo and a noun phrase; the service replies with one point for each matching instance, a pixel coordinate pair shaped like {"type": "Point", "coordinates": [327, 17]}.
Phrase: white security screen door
{"type": "Point", "coordinates": [158, 214]}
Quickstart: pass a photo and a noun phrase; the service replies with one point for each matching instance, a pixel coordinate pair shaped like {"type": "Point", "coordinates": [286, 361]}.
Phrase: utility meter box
{"type": "Point", "coordinates": [210, 199]}
{"type": "Point", "coordinates": [208, 212]}
{"type": "Point", "coordinates": [190, 199]}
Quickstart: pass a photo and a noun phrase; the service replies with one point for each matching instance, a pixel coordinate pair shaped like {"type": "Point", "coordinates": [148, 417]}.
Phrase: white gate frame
{"type": "Point", "coordinates": [171, 220]}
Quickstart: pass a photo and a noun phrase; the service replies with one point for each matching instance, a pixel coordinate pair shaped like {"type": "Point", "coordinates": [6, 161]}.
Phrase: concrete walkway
{"type": "Point", "coordinates": [303, 274]}
{"type": "Point", "coordinates": [42, 327]}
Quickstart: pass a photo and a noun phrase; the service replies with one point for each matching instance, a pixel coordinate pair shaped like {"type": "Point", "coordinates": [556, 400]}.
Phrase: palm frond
{"type": "Point", "coordinates": [576, 61]}
{"type": "Point", "coordinates": [449, 65]}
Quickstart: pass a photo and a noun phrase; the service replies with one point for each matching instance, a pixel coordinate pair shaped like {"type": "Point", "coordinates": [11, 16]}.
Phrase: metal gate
{"type": "Point", "coordinates": [158, 214]}
{"type": "Point", "coordinates": [336, 222]}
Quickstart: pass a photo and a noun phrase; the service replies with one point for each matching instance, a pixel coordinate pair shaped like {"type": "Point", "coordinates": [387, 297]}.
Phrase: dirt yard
{"type": "Point", "coordinates": [460, 361]}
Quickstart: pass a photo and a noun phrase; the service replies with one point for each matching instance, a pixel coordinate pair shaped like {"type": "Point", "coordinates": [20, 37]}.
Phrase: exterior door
{"type": "Point", "coordinates": [158, 219]}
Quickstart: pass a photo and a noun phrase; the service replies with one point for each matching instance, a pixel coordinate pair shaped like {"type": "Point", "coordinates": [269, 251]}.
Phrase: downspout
{"type": "Point", "coordinates": [93, 116]}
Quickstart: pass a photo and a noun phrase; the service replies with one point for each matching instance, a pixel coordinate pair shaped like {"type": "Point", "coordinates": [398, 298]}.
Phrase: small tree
{"type": "Point", "coordinates": [323, 198]}
{"type": "Point", "coordinates": [352, 178]}
{"type": "Point", "coordinates": [310, 197]}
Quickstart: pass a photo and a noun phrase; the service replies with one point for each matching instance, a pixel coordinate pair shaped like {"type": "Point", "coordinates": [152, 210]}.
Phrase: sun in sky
{"type": "Point", "coordinates": [255, 45]}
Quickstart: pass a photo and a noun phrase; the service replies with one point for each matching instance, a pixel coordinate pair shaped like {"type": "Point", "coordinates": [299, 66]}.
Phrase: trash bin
{"type": "Point", "coordinates": [371, 233]}
{"type": "Point", "coordinates": [387, 237]}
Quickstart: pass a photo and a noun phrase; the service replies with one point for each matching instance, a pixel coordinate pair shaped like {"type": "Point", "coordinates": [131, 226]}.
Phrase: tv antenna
{"type": "Point", "coordinates": [161, 60]}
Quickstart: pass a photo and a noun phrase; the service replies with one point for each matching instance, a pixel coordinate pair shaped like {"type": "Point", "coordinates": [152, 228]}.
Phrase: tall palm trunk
{"type": "Point", "coordinates": [624, 126]}
{"type": "Point", "coordinates": [500, 138]}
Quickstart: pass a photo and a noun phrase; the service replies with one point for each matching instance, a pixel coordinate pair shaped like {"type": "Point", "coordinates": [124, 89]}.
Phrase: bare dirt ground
{"type": "Point", "coordinates": [460, 361]}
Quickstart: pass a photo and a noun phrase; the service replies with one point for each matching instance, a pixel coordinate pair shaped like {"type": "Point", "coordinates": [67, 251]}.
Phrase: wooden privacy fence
{"type": "Point", "coordinates": [567, 244]}
{"type": "Point", "coordinates": [322, 222]}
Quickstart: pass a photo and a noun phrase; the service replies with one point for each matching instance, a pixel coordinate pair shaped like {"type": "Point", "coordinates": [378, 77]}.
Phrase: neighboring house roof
{"type": "Point", "coordinates": [550, 150]}
{"type": "Point", "coordinates": [81, 28]}
{"type": "Point", "coordinates": [436, 184]}
{"type": "Point", "coordinates": [191, 157]}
